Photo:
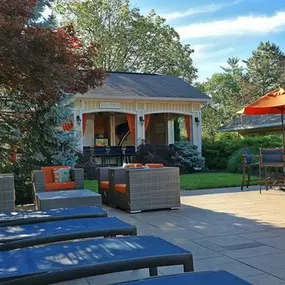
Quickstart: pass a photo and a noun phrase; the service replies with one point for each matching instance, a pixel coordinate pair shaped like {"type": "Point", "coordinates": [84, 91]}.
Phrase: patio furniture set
{"type": "Point", "coordinates": [77, 240]}
{"type": "Point", "coordinates": [67, 251]}
{"type": "Point", "coordinates": [138, 188]}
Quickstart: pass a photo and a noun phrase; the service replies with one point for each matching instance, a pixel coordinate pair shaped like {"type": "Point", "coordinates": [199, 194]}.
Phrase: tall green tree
{"type": "Point", "coordinates": [127, 40]}
{"type": "Point", "coordinates": [265, 70]}
{"type": "Point", "coordinates": [226, 97]}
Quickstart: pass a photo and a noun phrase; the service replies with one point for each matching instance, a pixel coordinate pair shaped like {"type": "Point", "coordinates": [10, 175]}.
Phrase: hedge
{"type": "Point", "coordinates": [226, 154]}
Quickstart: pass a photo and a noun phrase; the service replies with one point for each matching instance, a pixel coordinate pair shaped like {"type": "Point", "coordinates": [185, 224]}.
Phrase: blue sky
{"type": "Point", "coordinates": [221, 29]}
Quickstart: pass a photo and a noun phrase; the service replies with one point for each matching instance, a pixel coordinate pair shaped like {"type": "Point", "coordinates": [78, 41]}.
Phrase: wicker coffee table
{"type": "Point", "coordinates": [68, 199]}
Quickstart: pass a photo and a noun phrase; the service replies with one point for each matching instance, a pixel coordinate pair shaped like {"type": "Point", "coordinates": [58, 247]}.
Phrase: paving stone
{"type": "Point", "coordinates": [117, 277]}
{"type": "Point", "coordinates": [210, 245]}
{"type": "Point", "coordinates": [243, 246]}
{"type": "Point", "coordinates": [229, 241]}
{"type": "Point", "coordinates": [277, 241]}
{"type": "Point", "coordinates": [198, 251]}
{"type": "Point", "coordinates": [273, 264]}
{"type": "Point", "coordinates": [258, 235]}
{"type": "Point", "coordinates": [81, 281]}
{"type": "Point", "coordinates": [251, 252]}
{"type": "Point", "coordinates": [225, 263]}
{"type": "Point", "coordinates": [264, 279]}
{"type": "Point", "coordinates": [225, 229]}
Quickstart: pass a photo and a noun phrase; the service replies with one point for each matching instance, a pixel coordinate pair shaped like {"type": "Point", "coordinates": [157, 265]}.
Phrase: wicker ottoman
{"type": "Point", "coordinates": [7, 201]}
{"type": "Point", "coordinates": [67, 199]}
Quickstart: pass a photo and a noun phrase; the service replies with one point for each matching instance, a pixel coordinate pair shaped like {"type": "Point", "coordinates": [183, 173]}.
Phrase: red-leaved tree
{"type": "Point", "coordinates": [36, 62]}
{"type": "Point", "coordinates": [40, 70]}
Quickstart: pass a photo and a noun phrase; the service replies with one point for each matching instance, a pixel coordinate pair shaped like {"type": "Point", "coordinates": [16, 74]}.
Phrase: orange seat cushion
{"type": "Point", "coordinates": [49, 178]}
{"type": "Point", "coordinates": [104, 185]}
{"type": "Point", "coordinates": [155, 165]}
{"type": "Point", "coordinates": [135, 165]}
{"type": "Point", "coordinates": [60, 186]}
{"type": "Point", "coordinates": [122, 188]}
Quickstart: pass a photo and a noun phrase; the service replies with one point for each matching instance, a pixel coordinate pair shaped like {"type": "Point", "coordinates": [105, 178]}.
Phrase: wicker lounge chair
{"type": "Point", "coordinates": [72, 260]}
{"type": "Point", "coordinates": [13, 237]}
{"type": "Point", "coordinates": [7, 201]}
{"type": "Point", "coordinates": [194, 278]}
{"type": "Point", "coordinates": [32, 217]}
{"type": "Point", "coordinates": [136, 189]}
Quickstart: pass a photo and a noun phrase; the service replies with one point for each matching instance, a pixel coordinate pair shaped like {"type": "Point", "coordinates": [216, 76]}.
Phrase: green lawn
{"type": "Point", "coordinates": [212, 180]}
{"type": "Point", "coordinates": [197, 181]}
{"type": "Point", "coordinates": [91, 185]}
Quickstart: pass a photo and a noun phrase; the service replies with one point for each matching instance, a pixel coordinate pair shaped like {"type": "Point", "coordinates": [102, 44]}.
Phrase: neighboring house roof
{"type": "Point", "coordinates": [244, 123]}
{"type": "Point", "coordinates": [129, 85]}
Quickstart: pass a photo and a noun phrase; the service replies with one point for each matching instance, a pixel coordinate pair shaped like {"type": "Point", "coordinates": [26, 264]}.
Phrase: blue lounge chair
{"type": "Point", "coordinates": [195, 278]}
{"type": "Point", "coordinates": [30, 217]}
{"type": "Point", "coordinates": [78, 259]}
{"type": "Point", "coordinates": [13, 237]}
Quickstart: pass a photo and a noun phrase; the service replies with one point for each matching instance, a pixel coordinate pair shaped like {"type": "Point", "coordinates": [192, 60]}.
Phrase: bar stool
{"type": "Point", "coordinates": [100, 151]}
{"type": "Point", "coordinates": [130, 152]}
{"type": "Point", "coordinates": [247, 165]}
{"type": "Point", "coordinates": [115, 151]}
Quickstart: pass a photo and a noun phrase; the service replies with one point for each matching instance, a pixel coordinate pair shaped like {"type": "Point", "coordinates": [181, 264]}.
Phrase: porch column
{"type": "Point", "coordinates": [196, 127]}
{"type": "Point", "coordinates": [80, 130]}
{"type": "Point", "coordinates": [166, 128]}
{"type": "Point", "coordinates": [200, 133]}
{"type": "Point", "coordinates": [140, 129]}
{"type": "Point", "coordinates": [112, 130]}
{"type": "Point", "coordinates": [170, 127]}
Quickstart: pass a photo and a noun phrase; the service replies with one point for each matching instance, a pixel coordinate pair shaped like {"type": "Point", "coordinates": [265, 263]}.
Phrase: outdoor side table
{"type": "Point", "coordinates": [67, 199]}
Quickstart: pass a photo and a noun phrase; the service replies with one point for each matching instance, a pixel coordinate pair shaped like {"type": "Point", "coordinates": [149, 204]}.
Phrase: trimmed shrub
{"type": "Point", "coordinates": [187, 157]}
{"type": "Point", "coordinates": [235, 162]}
{"type": "Point", "coordinates": [182, 155]}
{"type": "Point", "coordinates": [226, 154]}
{"type": "Point", "coordinates": [153, 153]}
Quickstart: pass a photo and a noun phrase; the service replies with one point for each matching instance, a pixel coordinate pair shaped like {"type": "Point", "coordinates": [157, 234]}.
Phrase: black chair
{"type": "Point", "coordinates": [86, 153]}
{"type": "Point", "coordinates": [100, 151]}
{"type": "Point", "coordinates": [248, 162]}
{"type": "Point", "coordinates": [115, 151]}
{"type": "Point", "coordinates": [130, 152]}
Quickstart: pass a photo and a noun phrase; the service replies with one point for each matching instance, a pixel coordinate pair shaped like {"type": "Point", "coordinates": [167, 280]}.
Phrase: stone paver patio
{"type": "Point", "coordinates": [241, 232]}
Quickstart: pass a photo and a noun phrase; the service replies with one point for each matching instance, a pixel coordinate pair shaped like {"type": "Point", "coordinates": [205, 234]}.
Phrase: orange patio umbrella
{"type": "Point", "coordinates": [271, 103]}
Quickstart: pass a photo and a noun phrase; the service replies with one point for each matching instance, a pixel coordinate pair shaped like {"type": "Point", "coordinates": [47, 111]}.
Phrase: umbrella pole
{"type": "Point", "coordinates": [283, 133]}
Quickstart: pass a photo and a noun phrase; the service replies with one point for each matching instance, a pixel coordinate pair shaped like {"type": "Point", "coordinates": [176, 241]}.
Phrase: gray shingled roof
{"type": "Point", "coordinates": [120, 84]}
{"type": "Point", "coordinates": [252, 122]}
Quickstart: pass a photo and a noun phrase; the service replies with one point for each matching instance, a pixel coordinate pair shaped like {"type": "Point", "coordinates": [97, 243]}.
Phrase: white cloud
{"type": "Point", "coordinates": [211, 51]}
{"type": "Point", "coordinates": [199, 10]}
{"type": "Point", "coordinates": [193, 11]}
{"type": "Point", "coordinates": [245, 25]}
{"type": "Point", "coordinates": [209, 57]}
{"type": "Point", "coordinates": [200, 47]}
